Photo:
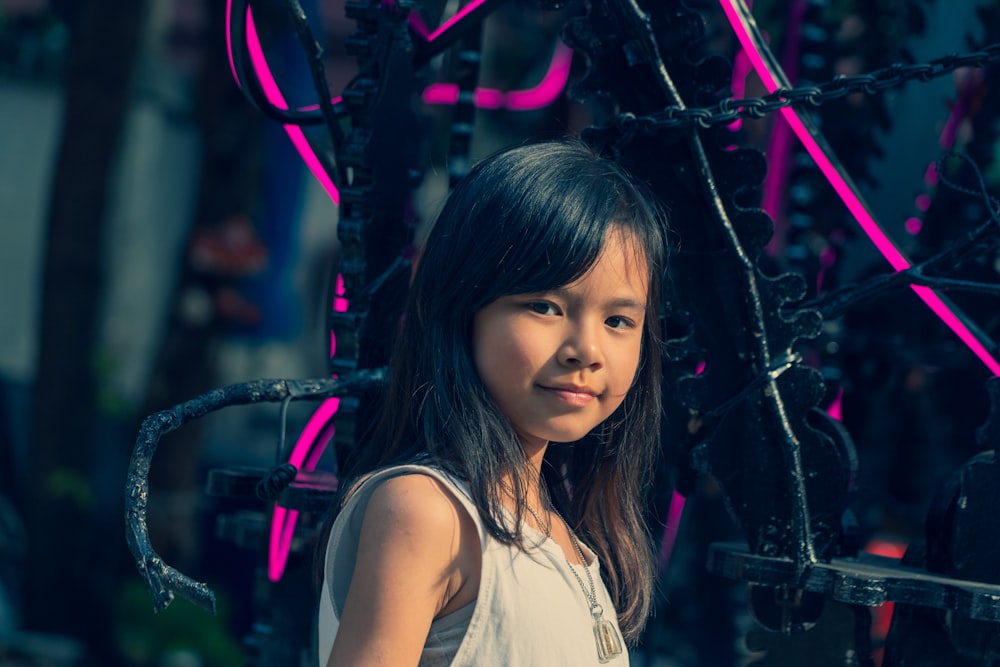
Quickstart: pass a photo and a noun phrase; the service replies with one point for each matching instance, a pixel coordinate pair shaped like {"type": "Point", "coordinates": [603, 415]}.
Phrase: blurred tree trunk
{"type": "Point", "coordinates": [63, 556]}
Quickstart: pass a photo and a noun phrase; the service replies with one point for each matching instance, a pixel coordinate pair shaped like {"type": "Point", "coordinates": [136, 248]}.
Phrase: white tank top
{"type": "Point", "coordinates": [530, 609]}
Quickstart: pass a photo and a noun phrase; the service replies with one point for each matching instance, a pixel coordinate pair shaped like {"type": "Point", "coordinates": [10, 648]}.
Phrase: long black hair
{"type": "Point", "coordinates": [529, 219]}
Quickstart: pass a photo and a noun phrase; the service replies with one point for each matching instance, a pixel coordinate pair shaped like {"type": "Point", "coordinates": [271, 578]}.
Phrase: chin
{"type": "Point", "coordinates": [565, 438]}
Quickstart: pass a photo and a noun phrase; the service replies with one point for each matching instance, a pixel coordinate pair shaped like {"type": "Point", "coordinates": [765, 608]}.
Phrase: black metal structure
{"type": "Point", "coordinates": [747, 402]}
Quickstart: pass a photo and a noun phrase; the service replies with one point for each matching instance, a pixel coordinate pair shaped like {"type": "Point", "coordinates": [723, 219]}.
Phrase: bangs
{"type": "Point", "coordinates": [567, 241]}
{"type": "Point", "coordinates": [558, 243]}
{"type": "Point", "coordinates": [530, 219]}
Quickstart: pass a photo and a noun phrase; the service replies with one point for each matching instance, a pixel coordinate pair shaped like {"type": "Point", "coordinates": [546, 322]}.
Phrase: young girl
{"type": "Point", "coordinates": [503, 522]}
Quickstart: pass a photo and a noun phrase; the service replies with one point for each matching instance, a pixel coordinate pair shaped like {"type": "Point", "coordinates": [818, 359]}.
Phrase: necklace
{"type": "Point", "coordinates": [609, 644]}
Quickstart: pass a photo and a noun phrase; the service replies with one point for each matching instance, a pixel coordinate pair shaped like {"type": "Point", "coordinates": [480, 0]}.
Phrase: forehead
{"type": "Point", "coordinates": [623, 248]}
{"type": "Point", "coordinates": [621, 265]}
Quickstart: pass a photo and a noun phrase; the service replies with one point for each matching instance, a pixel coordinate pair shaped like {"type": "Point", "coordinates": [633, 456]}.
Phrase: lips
{"type": "Point", "coordinates": [571, 394]}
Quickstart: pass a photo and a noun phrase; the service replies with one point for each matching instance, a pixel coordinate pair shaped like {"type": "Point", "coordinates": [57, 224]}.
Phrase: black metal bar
{"type": "Point", "coordinates": [163, 580]}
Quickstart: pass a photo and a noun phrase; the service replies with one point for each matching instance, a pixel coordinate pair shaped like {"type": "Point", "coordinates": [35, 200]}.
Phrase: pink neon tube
{"type": "Point", "coordinates": [459, 15]}
{"type": "Point", "coordinates": [845, 189]}
{"type": "Point", "coordinates": [312, 441]}
{"type": "Point", "coordinates": [319, 430]}
{"type": "Point", "coordinates": [780, 145]}
{"type": "Point", "coordinates": [542, 95]}
{"type": "Point", "coordinates": [674, 515]}
{"type": "Point", "coordinates": [306, 453]}
{"type": "Point", "coordinates": [229, 41]}
{"type": "Point", "coordinates": [274, 96]}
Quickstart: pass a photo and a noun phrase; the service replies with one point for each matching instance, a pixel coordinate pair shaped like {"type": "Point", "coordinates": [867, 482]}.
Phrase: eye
{"type": "Point", "coordinates": [619, 322]}
{"type": "Point", "coordinates": [542, 308]}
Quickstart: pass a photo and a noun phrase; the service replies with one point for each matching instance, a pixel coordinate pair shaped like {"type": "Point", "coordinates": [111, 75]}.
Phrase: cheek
{"type": "Point", "coordinates": [492, 349]}
{"type": "Point", "coordinates": [502, 343]}
{"type": "Point", "coordinates": [628, 362]}
{"type": "Point", "coordinates": [500, 359]}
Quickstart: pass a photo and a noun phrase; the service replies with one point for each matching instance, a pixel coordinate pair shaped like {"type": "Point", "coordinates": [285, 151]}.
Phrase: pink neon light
{"type": "Point", "coordinates": [931, 175]}
{"type": "Point", "coordinates": [306, 453]}
{"type": "Point", "coordinates": [779, 149]}
{"type": "Point", "coordinates": [958, 110]}
{"type": "Point", "coordinates": [319, 430]}
{"type": "Point", "coordinates": [542, 95]}
{"type": "Point", "coordinates": [741, 72]}
{"type": "Point", "coordinates": [417, 25]}
{"type": "Point", "coordinates": [324, 413]}
{"type": "Point", "coordinates": [846, 191]}
{"type": "Point", "coordinates": [670, 530]}
{"type": "Point", "coordinates": [459, 15]}
{"type": "Point", "coordinates": [339, 302]}
{"type": "Point", "coordinates": [283, 520]}
{"type": "Point", "coordinates": [913, 225]}
{"type": "Point", "coordinates": [232, 62]}
{"type": "Point", "coordinates": [274, 96]}
{"type": "Point", "coordinates": [827, 258]}
{"type": "Point", "coordinates": [322, 440]}
{"type": "Point", "coordinates": [229, 41]}
{"type": "Point", "coordinates": [339, 306]}
{"type": "Point", "coordinates": [836, 409]}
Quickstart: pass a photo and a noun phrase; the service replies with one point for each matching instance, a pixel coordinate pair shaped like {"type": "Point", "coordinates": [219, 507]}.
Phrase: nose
{"type": "Point", "coordinates": [582, 348]}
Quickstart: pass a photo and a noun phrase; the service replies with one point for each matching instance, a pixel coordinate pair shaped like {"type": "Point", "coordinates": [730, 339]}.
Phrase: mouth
{"type": "Point", "coordinates": [570, 394]}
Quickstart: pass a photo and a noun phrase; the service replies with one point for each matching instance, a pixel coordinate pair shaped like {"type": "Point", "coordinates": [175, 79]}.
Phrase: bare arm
{"type": "Point", "coordinates": [416, 559]}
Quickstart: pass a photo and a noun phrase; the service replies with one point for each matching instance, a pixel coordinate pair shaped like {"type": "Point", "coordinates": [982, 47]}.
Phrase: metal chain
{"type": "Point", "coordinates": [595, 607]}
{"type": "Point", "coordinates": [729, 109]}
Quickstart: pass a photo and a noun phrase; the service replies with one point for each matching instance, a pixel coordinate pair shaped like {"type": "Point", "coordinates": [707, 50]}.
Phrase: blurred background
{"type": "Point", "coordinates": [159, 237]}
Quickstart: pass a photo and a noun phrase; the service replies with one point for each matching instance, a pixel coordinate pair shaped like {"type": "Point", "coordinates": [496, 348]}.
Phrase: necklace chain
{"type": "Point", "coordinates": [591, 595]}
{"type": "Point", "coordinates": [608, 639]}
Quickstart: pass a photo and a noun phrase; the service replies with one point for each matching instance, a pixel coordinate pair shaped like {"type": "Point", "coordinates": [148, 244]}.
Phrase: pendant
{"type": "Point", "coordinates": [609, 644]}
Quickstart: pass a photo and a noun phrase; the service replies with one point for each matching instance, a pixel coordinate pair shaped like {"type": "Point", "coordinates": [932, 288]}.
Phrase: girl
{"type": "Point", "coordinates": [477, 540]}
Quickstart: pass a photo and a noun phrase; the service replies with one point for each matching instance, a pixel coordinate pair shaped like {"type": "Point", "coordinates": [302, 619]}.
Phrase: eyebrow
{"type": "Point", "coordinates": [626, 303]}
{"type": "Point", "coordinates": [620, 302]}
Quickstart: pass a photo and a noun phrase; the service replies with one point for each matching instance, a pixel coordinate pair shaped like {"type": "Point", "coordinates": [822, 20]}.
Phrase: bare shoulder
{"type": "Point", "coordinates": [419, 502]}
{"type": "Point", "coordinates": [418, 518]}
{"type": "Point", "coordinates": [415, 561]}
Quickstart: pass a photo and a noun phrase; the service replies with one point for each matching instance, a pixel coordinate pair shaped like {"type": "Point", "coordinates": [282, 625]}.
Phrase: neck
{"type": "Point", "coordinates": [531, 478]}
{"type": "Point", "coordinates": [534, 453]}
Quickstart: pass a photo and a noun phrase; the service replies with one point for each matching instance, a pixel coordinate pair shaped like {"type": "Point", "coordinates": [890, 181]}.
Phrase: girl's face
{"type": "Point", "coordinates": [558, 363]}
